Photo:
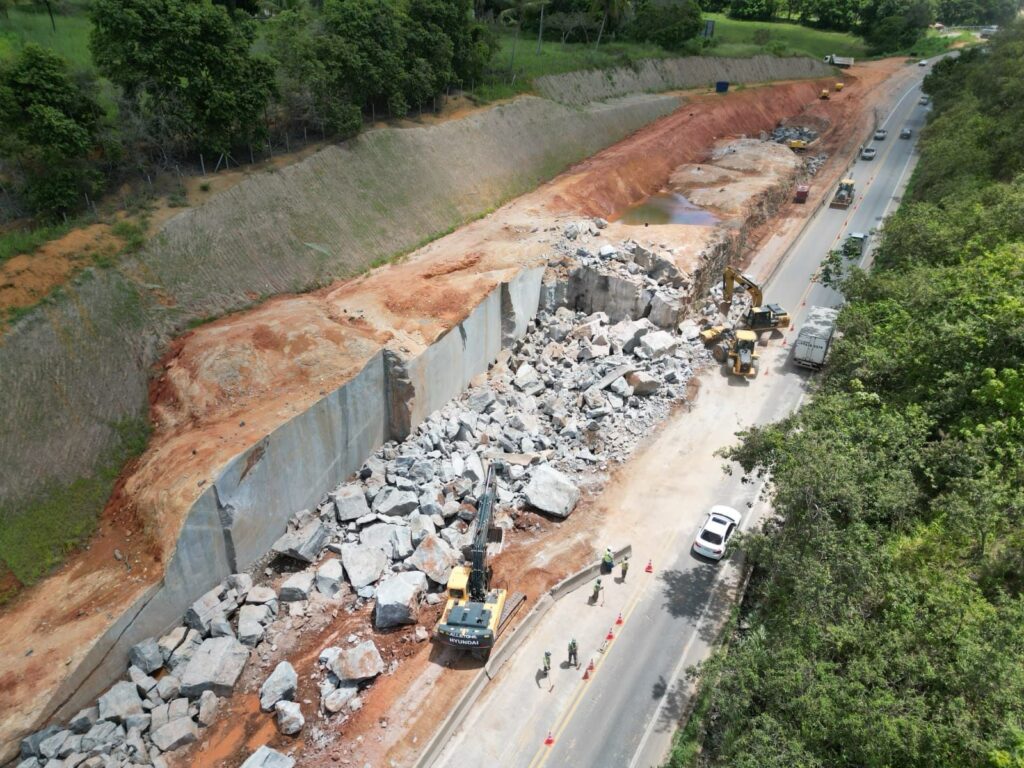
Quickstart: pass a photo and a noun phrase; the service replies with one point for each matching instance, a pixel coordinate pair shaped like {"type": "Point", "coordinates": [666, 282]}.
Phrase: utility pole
{"type": "Point", "coordinates": [540, 34]}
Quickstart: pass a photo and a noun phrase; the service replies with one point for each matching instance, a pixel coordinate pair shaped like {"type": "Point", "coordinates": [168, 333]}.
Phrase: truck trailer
{"type": "Point", "coordinates": [815, 337]}
{"type": "Point", "coordinates": [839, 61]}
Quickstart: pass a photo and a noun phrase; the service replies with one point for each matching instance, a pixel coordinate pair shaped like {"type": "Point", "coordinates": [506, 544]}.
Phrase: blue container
{"type": "Point", "coordinates": [721, 86]}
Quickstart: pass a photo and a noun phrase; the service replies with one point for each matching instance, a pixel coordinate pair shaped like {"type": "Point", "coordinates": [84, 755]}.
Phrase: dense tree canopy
{"type": "Point", "coordinates": [49, 125]}
{"type": "Point", "coordinates": [186, 66]}
{"type": "Point", "coordinates": [886, 611]}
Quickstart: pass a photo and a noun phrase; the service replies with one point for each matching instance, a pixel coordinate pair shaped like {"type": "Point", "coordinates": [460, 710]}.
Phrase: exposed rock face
{"type": "Point", "coordinates": [551, 491]}
{"type": "Point", "coordinates": [398, 599]}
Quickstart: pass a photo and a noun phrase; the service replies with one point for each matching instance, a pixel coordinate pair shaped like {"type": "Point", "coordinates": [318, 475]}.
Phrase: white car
{"type": "Point", "coordinates": [880, 134]}
{"type": "Point", "coordinates": [718, 528]}
{"type": "Point", "coordinates": [923, 63]}
{"type": "Point", "coordinates": [868, 153]}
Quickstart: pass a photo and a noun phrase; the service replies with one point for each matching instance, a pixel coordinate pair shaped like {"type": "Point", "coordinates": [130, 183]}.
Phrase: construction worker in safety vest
{"type": "Point", "coordinates": [547, 662]}
{"type": "Point", "coordinates": [608, 561]}
{"type": "Point", "coordinates": [574, 658]}
{"type": "Point", "coordinates": [625, 568]}
{"type": "Point", "coordinates": [597, 591]}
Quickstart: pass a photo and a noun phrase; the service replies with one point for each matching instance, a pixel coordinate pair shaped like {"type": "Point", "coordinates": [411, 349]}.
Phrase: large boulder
{"type": "Point", "coordinates": [215, 666]}
{"type": "Point", "coordinates": [350, 503]}
{"type": "Point", "coordinates": [395, 502]}
{"type": "Point", "coordinates": [175, 734]}
{"type": "Point", "coordinates": [394, 540]}
{"type": "Point", "coordinates": [361, 662]}
{"type": "Point", "coordinates": [146, 655]}
{"type": "Point", "coordinates": [280, 686]}
{"type": "Point", "coordinates": [363, 564]}
{"type": "Point", "coordinates": [265, 757]}
{"type": "Point", "coordinates": [304, 544]}
{"type": "Point", "coordinates": [643, 383]}
{"type": "Point", "coordinates": [435, 557]}
{"type": "Point", "coordinates": [289, 718]}
{"type": "Point", "coordinates": [297, 587]}
{"type": "Point", "coordinates": [657, 344]}
{"type": "Point", "coordinates": [121, 701]}
{"type": "Point", "coordinates": [204, 611]}
{"type": "Point", "coordinates": [398, 599]}
{"type": "Point", "coordinates": [626, 334]}
{"type": "Point", "coordinates": [551, 491]}
{"type": "Point", "coordinates": [329, 577]}
{"type": "Point", "coordinates": [421, 526]}
{"type": "Point", "coordinates": [335, 699]}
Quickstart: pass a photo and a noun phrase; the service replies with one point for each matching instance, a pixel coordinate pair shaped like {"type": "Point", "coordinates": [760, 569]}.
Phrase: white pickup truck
{"type": "Point", "coordinates": [815, 337]}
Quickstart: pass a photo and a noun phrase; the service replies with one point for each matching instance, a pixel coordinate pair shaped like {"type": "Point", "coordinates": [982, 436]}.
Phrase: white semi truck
{"type": "Point", "coordinates": [815, 337]}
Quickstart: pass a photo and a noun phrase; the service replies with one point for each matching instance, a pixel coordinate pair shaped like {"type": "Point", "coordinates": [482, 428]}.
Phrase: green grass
{"type": "Point", "coordinates": [554, 59]}
{"type": "Point", "coordinates": [742, 38]}
{"type": "Point", "coordinates": [71, 40]}
{"type": "Point", "coordinates": [40, 534]}
{"type": "Point", "coordinates": [26, 241]}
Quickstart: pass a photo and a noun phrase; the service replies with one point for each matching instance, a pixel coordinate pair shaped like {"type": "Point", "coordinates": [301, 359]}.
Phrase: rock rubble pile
{"type": "Point", "coordinates": [579, 390]}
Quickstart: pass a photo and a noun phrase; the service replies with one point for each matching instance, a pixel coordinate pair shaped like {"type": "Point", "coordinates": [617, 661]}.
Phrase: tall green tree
{"type": "Point", "coordinates": [611, 11]}
{"type": "Point", "coordinates": [49, 129]}
{"type": "Point", "coordinates": [187, 67]}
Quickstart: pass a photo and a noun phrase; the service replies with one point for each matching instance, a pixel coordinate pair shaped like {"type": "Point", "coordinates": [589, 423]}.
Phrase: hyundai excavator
{"type": "Point", "coordinates": [759, 317]}
{"type": "Point", "coordinates": [476, 613]}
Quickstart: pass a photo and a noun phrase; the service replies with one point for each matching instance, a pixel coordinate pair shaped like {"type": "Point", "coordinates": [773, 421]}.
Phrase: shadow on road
{"type": "Point", "coordinates": [675, 703]}
{"type": "Point", "coordinates": [687, 592]}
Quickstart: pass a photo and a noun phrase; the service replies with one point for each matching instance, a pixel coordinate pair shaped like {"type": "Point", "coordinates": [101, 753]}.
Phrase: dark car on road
{"type": "Point", "coordinates": [906, 133]}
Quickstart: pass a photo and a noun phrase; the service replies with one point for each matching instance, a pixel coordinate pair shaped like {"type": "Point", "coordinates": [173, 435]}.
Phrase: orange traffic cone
{"type": "Point", "coordinates": [549, 740]}
{"type": "Point", "coordinates": [586, 672]}
{"type": "Point", "coordinates": [649, 568]}
{"type": "Point", "coordinates": [610, 635]}
{"type": "Point", "coordinates": [619, 620]}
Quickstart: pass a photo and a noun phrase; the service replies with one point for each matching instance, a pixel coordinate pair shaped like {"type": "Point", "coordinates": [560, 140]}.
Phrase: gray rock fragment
{"type": "Point", "coordinates": [435, 557]}
{"type": "Point", "coordinates": [175, 734]}
{"type": "Point", "coordinates": [363, 565]}
{"type": "Point", "coordinates": [297, 587]}
{"type": "Point", "coordinates": [119, 702]}
{"type": "Point", "coordinates": [551, 491]}
{"type": "Point", "coordinates": [280, 686]}
{"type": "Point", "coordinates": [361, 662]}
{"type": "Point", "coordinates": [304, 544]}
{"type": "Point", "coordinates": [214, 667]}
{"type": "Point", "coordinates": [350, 502]}
{"type": "Point", "coordinates": [265, 757]}
{"type": "Point", "coordinates": [398, 599]}
{"type": "Point", "coordinates": [289, 718]}
{"type": "Point", "coordinates": [329, 578]}
{"type": "Point", "coordinates": [147, 655]}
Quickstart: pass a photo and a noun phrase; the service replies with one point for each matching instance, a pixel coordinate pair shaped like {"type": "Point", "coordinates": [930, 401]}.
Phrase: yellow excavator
{"type": "Point", "coordinates": [739, 350]}
{"type": "Point", "coordinates": [476, 613]}
{"type": "Point", "coordinates": [759, 317]}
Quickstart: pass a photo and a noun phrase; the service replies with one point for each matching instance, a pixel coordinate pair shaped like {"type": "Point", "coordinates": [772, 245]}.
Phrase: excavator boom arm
{"type": "Point", "coordinates": [478, 581]}
{"type": "Point", "coordinates": [729, 279]}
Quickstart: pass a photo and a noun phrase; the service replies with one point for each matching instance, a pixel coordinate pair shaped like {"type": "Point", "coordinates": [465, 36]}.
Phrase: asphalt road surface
{"type": "Point", "coordinates": [624, 715]}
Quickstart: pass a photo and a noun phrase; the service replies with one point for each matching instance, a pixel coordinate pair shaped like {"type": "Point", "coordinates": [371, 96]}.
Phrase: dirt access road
{"type": "Point", "coordinates": [197, 403]}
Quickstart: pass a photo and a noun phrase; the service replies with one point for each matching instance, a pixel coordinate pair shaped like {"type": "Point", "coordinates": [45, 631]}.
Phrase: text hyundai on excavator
{"type": "Point", "coordinates": [476, 614]}
{"type": "Point", "coordinates": [758, 317]}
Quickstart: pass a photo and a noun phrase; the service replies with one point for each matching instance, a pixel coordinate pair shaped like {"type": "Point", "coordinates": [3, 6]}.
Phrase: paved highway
{"type": "Point", "coordinates": [625, 714]}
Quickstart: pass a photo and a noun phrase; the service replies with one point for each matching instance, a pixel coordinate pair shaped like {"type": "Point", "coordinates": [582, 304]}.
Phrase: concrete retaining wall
{"type": "Point", "coordinates": [653, 75]}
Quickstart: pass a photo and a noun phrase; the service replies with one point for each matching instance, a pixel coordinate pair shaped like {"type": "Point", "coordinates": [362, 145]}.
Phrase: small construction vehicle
{"type": "Point", "coordinates": [738, 350]}
{"type": "Point", "coordinates": [802, 191]}
{"type": "Point", "coordinates": [797, 145]}
{"type": "Point", "coordinates": [844, 195]}
{"type": "Point", "coordinates": [712, 334]}
{"type": "Point", "coordinates": [476, 613]}
{"type": "Point", "coordinates": [759, 317]}
{"type": "Point", "coordinates": [839, 87]}
{"type": "Point", "coordinates": [839, 61]}
{"type": "Point", "coordinates": [824, 94]}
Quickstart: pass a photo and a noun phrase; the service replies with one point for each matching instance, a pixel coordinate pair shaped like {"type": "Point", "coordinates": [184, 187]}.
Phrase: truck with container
{"type": "Point", "coordinates": [839, 61]}
{"type": "Point", "coordinates": [815, 338]}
